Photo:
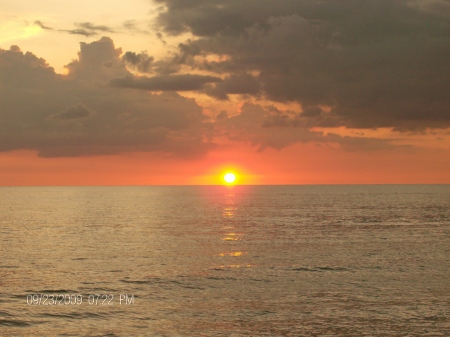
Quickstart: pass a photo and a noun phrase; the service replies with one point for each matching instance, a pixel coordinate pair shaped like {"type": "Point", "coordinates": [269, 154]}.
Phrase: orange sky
{"type": "Point", "coordinates": [299, 164]}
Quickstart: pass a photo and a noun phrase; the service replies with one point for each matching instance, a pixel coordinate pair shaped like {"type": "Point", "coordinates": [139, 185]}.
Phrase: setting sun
{"type": "Point", "coordinates": [229, 178]}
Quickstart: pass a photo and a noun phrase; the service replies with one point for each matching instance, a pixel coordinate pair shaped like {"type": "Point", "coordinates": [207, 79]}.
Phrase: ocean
{"type": "Point", "coordinates": [337, 260]}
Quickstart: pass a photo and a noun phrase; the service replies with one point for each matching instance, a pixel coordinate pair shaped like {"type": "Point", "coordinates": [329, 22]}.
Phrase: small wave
{"type": "Point", "coordinates": [139, 281]}
{"type": "Point", "coordinates": [10, 322]}
{"type": "Point", "coordinates": [88, 291]}
{"type": "Point", "coordinates": [221, 278]}
{"type": "Point", "coordinates": [260, 280]}
{"type": "Point", "coordinates": [49, 291]}
{"type": "Point", "coordinates": [303, 269]}
{"type": "Point", "coordinates": [265, 312]}
{"type": "Point", "coordinates": [319, 269]}
{"type": "Point", "coordinates": [187, 286]}
{"type": "Point", "coordinates": [75, 315]}
{"type": "Point", "coordinates": [332, 269]}
{"type": "Point", "coordinates": [5, 314]}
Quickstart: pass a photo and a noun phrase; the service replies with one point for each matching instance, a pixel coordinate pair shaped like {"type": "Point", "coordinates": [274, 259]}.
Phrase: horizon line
{"type": "Point", "coordinates": [235, 185]}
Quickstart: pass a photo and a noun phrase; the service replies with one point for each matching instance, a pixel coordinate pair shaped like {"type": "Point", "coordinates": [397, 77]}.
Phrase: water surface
{"type": "Point", "coordinates": [221, 261]}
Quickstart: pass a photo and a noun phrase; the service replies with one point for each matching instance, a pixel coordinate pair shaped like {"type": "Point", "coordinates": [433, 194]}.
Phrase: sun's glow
{"type": "Point", "coordinates": [16, 30]}
{"type": "Point", "coordinates": [229, 178]}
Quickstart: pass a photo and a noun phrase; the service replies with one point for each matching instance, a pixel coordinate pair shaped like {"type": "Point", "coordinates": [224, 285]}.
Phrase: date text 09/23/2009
{"type": "Point", "coordinates": [78, 299]}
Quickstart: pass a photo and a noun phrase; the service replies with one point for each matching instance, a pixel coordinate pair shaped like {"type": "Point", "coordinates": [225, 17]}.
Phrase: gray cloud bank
{"type": "Point", "coordinates": [94, 109]}
{"type": "Point", "coordinates": [81, 114]}
{"type": "Point", "coordinates": [268, 127]}
{"type": "Point", "coordinates": [376, 63]}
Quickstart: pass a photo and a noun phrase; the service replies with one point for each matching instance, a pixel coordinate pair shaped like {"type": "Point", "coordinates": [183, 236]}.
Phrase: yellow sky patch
{"type": "Point", "coordinates": [17, 29]}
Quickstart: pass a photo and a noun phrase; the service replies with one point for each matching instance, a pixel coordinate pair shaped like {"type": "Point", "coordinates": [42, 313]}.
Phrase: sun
{"type": "Point", "coordinates": [229, 178]}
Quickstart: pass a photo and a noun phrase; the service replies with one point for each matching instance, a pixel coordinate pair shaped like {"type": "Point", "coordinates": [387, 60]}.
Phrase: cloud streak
{"type": "Point", "coordinates": [42, 25]}
{"type": "Point", "coordinates": [184, 82]}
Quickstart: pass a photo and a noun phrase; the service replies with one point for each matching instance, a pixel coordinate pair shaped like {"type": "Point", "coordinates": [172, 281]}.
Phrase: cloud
{"type": "Point", "coordinates": [83, 32]}
{"type": "Point", "coordinates": [87, 29]}
{"type": "Point", "coordinates": [436, 7]}
{"type": "Point", "coordinates": [141, 62]}
{"type": "Point", "coordinates": [185, 82]}
{"type": "Point", "coordinates": [73, 112]}
{"type": "Point", "coordinates": [133, 26]}
{"type": "Point", "coordinates": [375, 64]}
{"type": "Point", "coordinates": [243, 84]}
{"type": "Point", "coordinates": [268, 127]}
{"type": "Point", "coordinates": [94, 28]}
{"type": "Point", "coordinates": [80, 114]}
{"type": "Point", "coordinates": [40, 24]}
{"type": "Point", "coordinates": [91, 111]}
{"type": "Point", "coordinates": [98, 61]}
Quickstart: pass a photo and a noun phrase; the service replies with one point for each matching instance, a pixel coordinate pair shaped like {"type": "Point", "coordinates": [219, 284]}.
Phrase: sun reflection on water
{"type": "Point", "coordinates": [230, 230]}
{"type": "Point", "coordinates": [236, 266]}
{"type": "Point", "coordinates": [233, 237]}
{"type": "Point", "coordinates": [233, 254]}
{"type": "Point", "coordinates": [230, 207]}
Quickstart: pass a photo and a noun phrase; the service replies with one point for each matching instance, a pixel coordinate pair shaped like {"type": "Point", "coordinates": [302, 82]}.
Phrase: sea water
{"type": "Point", "coordinates": [225, 261]}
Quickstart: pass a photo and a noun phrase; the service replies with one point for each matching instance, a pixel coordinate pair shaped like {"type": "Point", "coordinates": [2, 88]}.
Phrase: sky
{"type": "Point", "coordinates": [178, 92]}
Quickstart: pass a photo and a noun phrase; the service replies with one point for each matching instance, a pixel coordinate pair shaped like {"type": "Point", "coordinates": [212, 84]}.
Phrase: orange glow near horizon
{"type": "Point", "coordinates": [316, 165]}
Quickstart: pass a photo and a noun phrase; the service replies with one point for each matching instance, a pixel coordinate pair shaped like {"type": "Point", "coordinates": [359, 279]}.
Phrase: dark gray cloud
{"type": "Point", "coordinates": [42, 25]}
{"type": "Point", "coordinates": [141, 62]}
{"type": "Point", "coordinates": [85, 28]}
{"type": "Point", "coordinates": [81, 114]}
{"type": "Point", "coordinates": [313, 111]}
{"type": "Point", "coordinates": [73, 112]}
{"type": "Point", "coordinates": [94, 28]}
{"type": "Point", "coordinates": [243, 84]}
{"type": "Point", "coordinates": [78, 31]}
{"type": "Point", "coordinates": [376, 63]}
{"type": "Point", "coordinates": [185, 82]}
{"type": "Point", "coordinates": [89, 29]}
